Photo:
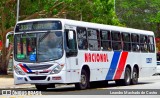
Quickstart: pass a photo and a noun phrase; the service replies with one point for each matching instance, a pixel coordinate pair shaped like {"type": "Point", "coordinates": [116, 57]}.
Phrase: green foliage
{"type": "Point", "coordinates": [140, 14]}
{"type": "Point", "coordinates": [156, 18]}
{"type": "Point", "coordinates": [8, 13]}
{"type": "Point", "coordinates": [55, 11]}
{"type": "Point", "coordinates": [98, 11]}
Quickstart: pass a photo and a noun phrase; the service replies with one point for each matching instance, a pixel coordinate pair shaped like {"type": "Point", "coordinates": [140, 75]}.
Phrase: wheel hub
{"type": "Point", "coordinates": [134, 75]}
{"type": "Point", "coordinates": [83, 79]}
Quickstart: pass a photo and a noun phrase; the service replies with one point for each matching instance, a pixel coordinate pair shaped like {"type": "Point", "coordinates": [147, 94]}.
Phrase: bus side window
{"type": "Point", "coordinates": [116, 40]}
{"type": "Point", "coordinates": [126, 45]}
{"type": "Point", "coordinates": [82, 38]}
{"type": "Point", "coordinates": [151, 44]}
{"type": "Point", "coordinates": [135, 42]}
{"type": "Point", "coordinates": [105, 40]}
{"type": "Point", "coordinates": [93, 39]}
{"type": "Point", "coordinates": [70, 43]}
{"type": "Point", "coordinates": [144, 43]}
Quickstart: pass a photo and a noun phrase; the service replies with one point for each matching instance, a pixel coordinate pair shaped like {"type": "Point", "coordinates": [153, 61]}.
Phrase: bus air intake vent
{"type": "Point", "coordinates": [39, 67]}
{"type": "Point", "coordinates": [37, 77]}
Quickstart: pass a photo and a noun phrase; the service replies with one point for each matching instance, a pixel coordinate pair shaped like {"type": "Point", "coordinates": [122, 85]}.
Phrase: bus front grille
{"type": "Point", "coordinates": [39, 67]}
{"type": "Point", "coordinates": [37, 77]}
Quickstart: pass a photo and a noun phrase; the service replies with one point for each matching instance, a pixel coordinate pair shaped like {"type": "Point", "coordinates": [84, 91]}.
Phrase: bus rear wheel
{"type": "Point", "coordinates": [84, 81]}
{"type": "Point", "coordinates": [127, 78]}
{"type": "Point", "coordinates": [134, 79]}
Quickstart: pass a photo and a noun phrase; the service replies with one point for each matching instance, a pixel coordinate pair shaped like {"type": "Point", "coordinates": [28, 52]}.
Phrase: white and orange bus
{"type": "Point", "coordinates": [52, 51]}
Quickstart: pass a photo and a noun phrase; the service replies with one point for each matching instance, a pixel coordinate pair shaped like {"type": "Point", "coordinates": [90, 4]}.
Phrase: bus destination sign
{"type": "Point", "coordinates": [38, 26]}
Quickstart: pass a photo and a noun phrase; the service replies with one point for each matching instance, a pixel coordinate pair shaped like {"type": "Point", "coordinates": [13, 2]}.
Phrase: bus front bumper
{"type": "Point", "coordinates": [39, 79]}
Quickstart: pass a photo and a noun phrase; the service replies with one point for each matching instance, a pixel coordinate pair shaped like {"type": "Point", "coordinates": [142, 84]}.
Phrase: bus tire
{"type": "Point", "coordinates": [127, 78]}
{"type": "Point", "coordinates": [84, 81]}
{"type": "Point", "coordinates": [134, 79]}
{"type": "Point", "coordinates": [41, 87]}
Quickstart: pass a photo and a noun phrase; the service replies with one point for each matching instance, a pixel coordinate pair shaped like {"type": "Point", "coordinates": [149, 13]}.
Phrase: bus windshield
{"type": "Point", "coordinates": [38, 47]}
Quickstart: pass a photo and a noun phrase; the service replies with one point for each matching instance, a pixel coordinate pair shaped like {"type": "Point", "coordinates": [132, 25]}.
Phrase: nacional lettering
{"type": "Point", "coordinates": [96, 57]}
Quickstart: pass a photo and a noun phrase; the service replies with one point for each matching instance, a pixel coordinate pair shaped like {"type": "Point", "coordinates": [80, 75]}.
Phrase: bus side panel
{"type": "Point", "coordinates": [108, 70]}
{"type": "Point", "coordinates": [131, 60]}
{"type": "Point", "coordinates": [148, 64]}
{"type": "Point", "coordinates": [145, 62]}
{"type": "Point", "coordinates": [73, 70]}
{"type": "Point", "coordinates": [98, 70]}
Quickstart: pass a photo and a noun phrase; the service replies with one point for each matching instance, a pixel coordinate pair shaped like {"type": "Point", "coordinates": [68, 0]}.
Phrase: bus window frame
{"type": "Point", "coordinates": [86, 43]}
{"type": "Point", "coordinates": [144, 44]}
{"type": "Point", "coordinates": [135, 42]}
{"type": "Point", "coordinates": [126, 42]}
{"type": "Point", "coordinates": [70, 52]}
{"type": "Point", "coordinates": [118, 42]}
{"type": "Point", "coordinates": [151, 44]}
{"type": "Point", "coordinates": [104, 40]}
{"type": "Point", "coordinates": [98, 39]}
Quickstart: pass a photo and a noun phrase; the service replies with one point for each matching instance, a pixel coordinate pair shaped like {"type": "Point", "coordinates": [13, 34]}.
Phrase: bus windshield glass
{"type": "Point", "coordinates": [39, 46]}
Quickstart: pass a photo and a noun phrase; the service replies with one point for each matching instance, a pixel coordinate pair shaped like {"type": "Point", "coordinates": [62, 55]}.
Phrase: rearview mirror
{"type": "Point", "coordinates": [7, 43]}
{"type": "Point", "coordinates": [7, 40]}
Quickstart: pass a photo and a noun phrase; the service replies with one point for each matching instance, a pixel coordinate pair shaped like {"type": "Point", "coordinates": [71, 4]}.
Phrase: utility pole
{"type": "Point", "coordinates": [17, 10]}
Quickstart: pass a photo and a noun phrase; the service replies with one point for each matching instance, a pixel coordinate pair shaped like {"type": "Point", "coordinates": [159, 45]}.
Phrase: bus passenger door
{"type": "Point", "coordinates": [71, 53]}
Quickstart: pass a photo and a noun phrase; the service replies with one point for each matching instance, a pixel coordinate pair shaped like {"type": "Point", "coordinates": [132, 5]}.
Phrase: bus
{"type": "Point", "coordinates": [62, 51]}
{"type": "Point", "coordinates": [158, 64]}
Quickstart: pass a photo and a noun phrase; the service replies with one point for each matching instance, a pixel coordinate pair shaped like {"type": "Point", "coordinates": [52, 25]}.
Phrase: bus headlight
{"type": "Point", "coordinates": [57, 69]}
{"type": "Point", "coordinates": [18, 71]}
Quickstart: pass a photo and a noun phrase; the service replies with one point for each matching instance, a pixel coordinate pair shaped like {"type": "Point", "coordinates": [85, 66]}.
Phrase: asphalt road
{"type": "Point", "coordinates": [145, 86]}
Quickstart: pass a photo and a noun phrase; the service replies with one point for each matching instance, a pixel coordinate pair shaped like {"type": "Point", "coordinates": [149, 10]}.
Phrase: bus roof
{"type": "Point", "coordinates": [93, 25]}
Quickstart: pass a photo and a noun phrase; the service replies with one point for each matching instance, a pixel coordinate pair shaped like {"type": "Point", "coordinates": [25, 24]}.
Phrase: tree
{"type": "Point", "coordinates": [155, 16]}
{"type": "Point", "coordinates": [99, 11]}
{"type": "Point", "coordinates": [7, 17]}
{"type": "Point", "coordinates": [140, 14]}
{"type": "Point", "coordinates": [29, 9]}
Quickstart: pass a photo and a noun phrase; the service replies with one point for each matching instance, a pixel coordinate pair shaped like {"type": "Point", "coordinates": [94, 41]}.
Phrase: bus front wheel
{"type": "Point", "coordinates": [84, 81]}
